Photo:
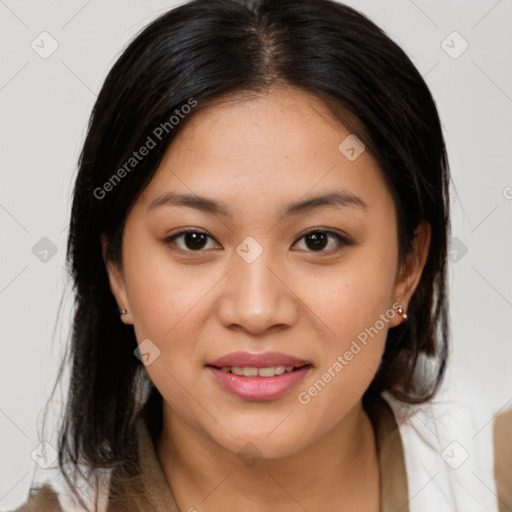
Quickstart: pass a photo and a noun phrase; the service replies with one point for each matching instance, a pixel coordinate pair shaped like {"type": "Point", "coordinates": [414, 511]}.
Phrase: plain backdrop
{"type": "Point", "coordinates": [45, 101]}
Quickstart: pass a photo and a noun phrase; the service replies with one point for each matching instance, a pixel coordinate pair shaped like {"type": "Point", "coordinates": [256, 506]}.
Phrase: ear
{"type": "Point", "coordinates": [117, 282]}
{"type": "Point", "coordinates": [411, 270]}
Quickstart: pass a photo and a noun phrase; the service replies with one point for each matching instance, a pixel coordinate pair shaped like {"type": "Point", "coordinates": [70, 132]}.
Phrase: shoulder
{"type": "Point", "coordinates": [446, 447]}
{"type": "Point", "coordinates": [502, 432]}
{"type": "Point", "coordinates": [503, 436]}
{"type": "Point", "coordinates": [41, 499]}
{"type": "Point", "coordinates": [56, 493]}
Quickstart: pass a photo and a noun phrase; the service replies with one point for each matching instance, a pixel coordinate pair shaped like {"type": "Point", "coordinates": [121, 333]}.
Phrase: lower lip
{"type": "Point", "coordinates": [259, 388]}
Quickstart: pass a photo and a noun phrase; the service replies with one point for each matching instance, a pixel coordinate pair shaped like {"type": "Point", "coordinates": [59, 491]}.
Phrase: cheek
{"type": "Point", "coordinates": [351, 297]}
{"type": "Point", "coordinates": [160, 294]}
{"type": "Point", "coordinates": [353, 309]}
{"type": "Point", "coordinates": [165, 302]}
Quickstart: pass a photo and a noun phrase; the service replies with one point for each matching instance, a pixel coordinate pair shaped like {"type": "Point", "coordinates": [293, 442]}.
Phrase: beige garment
{"type": "Point", "coordinates": [503, 460]}
{"type": "Point", "coordinates": [153, 483]}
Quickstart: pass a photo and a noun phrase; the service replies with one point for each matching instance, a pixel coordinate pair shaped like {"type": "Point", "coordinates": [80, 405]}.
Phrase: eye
{"type": "Point", "coordinates": [315, 239]}
{"type": "Point", "coordinates": [194, 240]}
{"type": "Point", "coordinates": [318, 239]}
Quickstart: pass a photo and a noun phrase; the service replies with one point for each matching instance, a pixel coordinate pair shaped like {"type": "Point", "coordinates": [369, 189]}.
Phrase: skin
{"type": "Point", "coordinates": [257, 154]}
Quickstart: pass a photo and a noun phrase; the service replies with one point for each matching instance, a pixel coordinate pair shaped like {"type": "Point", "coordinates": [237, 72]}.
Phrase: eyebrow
{"type": "Point", "coordinates": [341, 198]}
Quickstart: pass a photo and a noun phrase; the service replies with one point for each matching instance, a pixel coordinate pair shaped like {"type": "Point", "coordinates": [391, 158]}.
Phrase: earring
{"type": "Point", "coordinates": [402, 312]}
{"type": "Point", "coordinates": [122, 312]}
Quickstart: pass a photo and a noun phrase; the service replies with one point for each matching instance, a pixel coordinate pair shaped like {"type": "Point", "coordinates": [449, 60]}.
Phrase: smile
{"type": "Point", "coordinates": [251, 383]}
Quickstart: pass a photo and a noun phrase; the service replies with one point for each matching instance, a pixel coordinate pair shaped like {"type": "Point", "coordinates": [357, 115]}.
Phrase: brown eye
{"type": "Point", "coordinates": [193, 241]}
{"type": "Point", "coordinates": [316, 241]}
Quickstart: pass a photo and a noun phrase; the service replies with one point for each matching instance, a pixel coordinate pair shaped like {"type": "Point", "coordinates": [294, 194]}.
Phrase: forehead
{"type": "Point", "coordinates": [284, 142]}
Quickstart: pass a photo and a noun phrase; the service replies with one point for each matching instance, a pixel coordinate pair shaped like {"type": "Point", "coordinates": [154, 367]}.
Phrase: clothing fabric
{"type": "Point", "coordinates": [449, 455]}
{"type": "Point", "coordinates": [433, 457]}
{"type": "Point", "coordinates": [503, 460]}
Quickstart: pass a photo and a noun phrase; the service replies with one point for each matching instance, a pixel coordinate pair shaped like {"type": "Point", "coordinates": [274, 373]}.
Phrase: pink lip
{"type": "Point", "coordinates": [258, 388]}
{"type": "Point", "coordinates": [262, 360]}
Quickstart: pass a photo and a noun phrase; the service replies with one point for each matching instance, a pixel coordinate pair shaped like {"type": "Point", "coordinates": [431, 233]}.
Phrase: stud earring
{"type": "Point", "coordinates": [402, 312]}
{"type": "Point", "coordinates": [122, 312]}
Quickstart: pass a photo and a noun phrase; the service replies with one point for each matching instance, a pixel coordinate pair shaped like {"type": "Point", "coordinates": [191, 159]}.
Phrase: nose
{"type": "Point", "coordinates": [257, 296]}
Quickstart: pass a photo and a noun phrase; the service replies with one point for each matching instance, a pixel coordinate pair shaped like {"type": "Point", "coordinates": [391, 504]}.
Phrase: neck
{"type": "Point", "coordinates": [339, 471]}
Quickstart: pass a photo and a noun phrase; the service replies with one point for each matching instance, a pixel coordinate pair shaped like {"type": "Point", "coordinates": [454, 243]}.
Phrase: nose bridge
{"type": "Point", "coordinates": [257, 298]}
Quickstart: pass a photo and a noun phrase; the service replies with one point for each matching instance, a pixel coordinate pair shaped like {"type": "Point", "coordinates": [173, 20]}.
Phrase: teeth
{"type": "Point", "coordinates": [271, 371]}
{"type": "Point", "coordinates": [248, 371]}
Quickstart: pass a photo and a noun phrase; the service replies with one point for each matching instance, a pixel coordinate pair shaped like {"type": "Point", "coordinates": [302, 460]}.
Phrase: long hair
{"type": "Point", "coordinates": [189, 58]}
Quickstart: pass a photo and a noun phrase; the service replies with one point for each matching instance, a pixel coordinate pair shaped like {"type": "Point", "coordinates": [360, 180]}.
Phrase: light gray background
{"type": "Point", "coordinates": [45, 104]}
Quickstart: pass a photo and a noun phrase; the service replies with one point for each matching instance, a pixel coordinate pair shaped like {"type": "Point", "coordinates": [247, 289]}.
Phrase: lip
{"type": "Point", "coordinates": [262, 360]}
{"type": "Point", "coordinates": [259, 388]}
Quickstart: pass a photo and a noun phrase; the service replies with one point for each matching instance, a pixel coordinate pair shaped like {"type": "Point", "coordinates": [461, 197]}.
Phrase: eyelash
{"type": "Point", "coordinates": [346, 242]}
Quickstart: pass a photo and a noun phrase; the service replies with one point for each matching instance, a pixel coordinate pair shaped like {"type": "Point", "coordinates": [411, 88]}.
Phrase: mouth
{"type": "Point", "coordinates": [258, 376]}
{"type": "Point", "coordinates": [258, 384]}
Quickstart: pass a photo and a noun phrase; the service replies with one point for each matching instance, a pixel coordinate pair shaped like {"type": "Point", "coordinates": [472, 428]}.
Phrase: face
{"type": "Point", "coordinates": [318, 283]}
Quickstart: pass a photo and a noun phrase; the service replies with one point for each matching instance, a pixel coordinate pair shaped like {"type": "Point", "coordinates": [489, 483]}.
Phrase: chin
{"type": "Point", "coordinates": [263, 442]}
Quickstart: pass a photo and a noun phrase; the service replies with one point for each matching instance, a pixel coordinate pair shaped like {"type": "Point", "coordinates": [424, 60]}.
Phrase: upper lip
{"type": "Point", "coordinates": [261, 360]}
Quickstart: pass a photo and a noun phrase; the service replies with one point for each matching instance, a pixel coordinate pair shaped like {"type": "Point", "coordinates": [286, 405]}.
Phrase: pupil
{"type": "Point", "coordinates": [196, 239]}
{"type": "Point", "coordinates": [319, 240]}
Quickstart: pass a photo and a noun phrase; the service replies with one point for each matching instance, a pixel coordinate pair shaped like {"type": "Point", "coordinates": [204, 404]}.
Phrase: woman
{"type": "Point", "coordinates": [258, 245]}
